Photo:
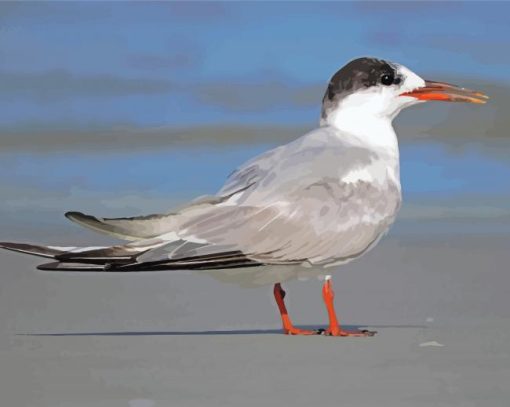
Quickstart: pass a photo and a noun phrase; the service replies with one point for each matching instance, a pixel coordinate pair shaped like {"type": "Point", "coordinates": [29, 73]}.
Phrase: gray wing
{"type": "Point", "coordinates": [327, 222]}
{"type": "Point", "coordinates": [252, 172]}
{"type": "Point", "coordinates": [288, 205]}
{"type": "Point", "coordinates": [148, 226]}
{"type": "Point", "coordinates": [294, 206]}
{"type": "Point", "coordinates": [323, 222]}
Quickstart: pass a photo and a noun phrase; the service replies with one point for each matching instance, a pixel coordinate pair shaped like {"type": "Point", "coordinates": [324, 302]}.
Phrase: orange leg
{"type": "Point", "coordinates": [288, 328]}
{"type": "Point", "coordinates": [334, 328]}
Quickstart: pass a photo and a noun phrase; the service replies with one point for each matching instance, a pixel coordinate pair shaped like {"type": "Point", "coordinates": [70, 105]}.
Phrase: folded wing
{"type": "Point", "coordinates": [142, 227]}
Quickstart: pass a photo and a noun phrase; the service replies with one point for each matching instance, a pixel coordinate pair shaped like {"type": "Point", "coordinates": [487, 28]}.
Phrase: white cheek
{"type": "Point", "coordinates": [370, 100]}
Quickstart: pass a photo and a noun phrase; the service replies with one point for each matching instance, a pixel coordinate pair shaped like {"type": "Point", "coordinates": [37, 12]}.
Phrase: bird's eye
{"type": "Point", "coordinates": [387, 79]}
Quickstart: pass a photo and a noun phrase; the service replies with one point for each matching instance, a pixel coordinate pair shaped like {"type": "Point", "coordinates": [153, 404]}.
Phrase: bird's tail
{"type": "Point", "coordinates": [76, 258]}
{"type": "Point", "coordinates": [128, 258]}
{"type": "Point", "coordinates": [35, 250]}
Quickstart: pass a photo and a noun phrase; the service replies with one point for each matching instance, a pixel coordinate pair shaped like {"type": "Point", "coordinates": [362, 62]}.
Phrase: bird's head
{"type": "Point", "coordinates": [372, 88]}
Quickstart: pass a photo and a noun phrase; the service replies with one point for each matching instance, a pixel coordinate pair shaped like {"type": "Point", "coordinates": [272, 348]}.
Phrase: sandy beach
{"type": "Point", "coordinates": [439, 304]}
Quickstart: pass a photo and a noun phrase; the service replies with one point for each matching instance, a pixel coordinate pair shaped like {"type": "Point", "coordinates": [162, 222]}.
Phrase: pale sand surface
{"type": "Point", "coordinates": [443, 289]}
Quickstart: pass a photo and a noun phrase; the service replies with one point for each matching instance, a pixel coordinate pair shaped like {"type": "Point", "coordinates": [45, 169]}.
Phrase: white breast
{"type": "Point", "coordinates": [378, 172]}
{"type": "Point", "coordinates": [380, 138]}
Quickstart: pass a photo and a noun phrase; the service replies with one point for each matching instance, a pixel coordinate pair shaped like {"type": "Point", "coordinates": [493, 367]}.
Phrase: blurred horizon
{"type": "Point", "coordinates": [126, 108]}
{"type": "Point", "coordinates": [86, 66]}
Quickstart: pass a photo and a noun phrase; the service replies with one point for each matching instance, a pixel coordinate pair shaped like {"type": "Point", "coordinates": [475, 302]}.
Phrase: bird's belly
{"type": "Point", "coordinates": [360, 241]}
{"type": "Point", "coordinates": [252, 277]}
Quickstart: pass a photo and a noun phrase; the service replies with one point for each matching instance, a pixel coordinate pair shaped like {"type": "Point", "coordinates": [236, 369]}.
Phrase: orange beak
{"type": "Point", "coordinates": [446, 93]}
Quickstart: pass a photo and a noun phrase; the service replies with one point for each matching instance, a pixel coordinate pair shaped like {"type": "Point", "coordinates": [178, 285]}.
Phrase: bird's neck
{"type": "Point", "coordinates": [373, 131]}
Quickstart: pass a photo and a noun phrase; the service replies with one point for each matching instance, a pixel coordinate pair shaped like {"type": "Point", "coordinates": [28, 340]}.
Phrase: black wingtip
{"type": "Point", "coordinates": [32, 249]}
{"type": "Point", "coordinates": [63, 266]}
{"type": "Point", "coordinates": [79, 216]}
{"type": "Point", "coordinates": [14, 246]}
{"type": "Point", "coordinates": [48, 266]}
{"type": "Point", "coordinates": [73, 214]}
{"type": "Point", "coordinates": [8, 245]}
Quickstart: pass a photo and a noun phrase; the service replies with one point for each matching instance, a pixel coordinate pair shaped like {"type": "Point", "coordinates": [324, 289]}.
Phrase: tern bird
{"type": "Point", "coordinates": [297, 210]}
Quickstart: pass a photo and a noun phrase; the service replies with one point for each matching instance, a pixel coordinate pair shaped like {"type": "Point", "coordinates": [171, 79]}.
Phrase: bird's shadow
{"type": "Point", "coordinates": [208, 332]}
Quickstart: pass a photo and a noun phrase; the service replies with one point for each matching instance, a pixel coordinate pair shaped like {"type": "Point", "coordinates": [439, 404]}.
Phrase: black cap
{"type": "Point", "coordinates": [361, 73]}
{"type": "Point", "coordinates": [358, 74]}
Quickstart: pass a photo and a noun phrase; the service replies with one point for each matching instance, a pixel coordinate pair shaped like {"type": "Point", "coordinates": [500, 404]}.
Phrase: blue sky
{"type": "Point", "coordinates": [147, 64]}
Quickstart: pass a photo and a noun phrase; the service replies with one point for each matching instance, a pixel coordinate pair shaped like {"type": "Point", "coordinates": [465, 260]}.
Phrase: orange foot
{"type": "Point", "coordinates": [341, 332]}
{"type": "Point", "coordinates": [296, 331]}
